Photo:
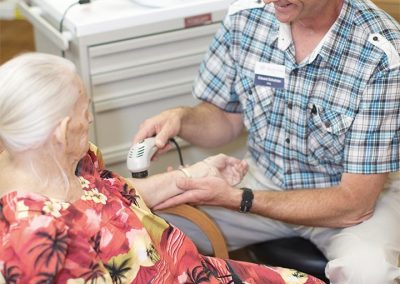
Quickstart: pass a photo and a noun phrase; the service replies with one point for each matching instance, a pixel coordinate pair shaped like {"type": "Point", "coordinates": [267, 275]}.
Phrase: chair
{"type": "Point", "coordinates": [205, 223]}
{"type": "Point", "coordinates": [294, 252]}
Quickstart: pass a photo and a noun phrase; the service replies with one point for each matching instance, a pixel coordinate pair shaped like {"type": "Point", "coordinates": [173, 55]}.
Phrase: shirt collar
{"type": "Point", "coordinates": [318, 48]}
{"type": "Point", "coordinates": [338, 32]}
{"type": "Point", "coordinates": [283, 35]}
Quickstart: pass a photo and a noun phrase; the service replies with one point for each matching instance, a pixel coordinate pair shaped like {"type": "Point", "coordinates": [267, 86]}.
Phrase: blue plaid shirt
{"type": "Point", "coordinates": [339, 111]}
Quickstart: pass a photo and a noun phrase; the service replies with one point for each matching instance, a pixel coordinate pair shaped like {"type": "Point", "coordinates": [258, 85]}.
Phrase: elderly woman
{"type": "Point", "coordinates": [66, 219]}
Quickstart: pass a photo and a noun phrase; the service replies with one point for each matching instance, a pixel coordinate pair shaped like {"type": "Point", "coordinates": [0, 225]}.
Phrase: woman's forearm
{"type": "Point", "coordinates": [158, 188]}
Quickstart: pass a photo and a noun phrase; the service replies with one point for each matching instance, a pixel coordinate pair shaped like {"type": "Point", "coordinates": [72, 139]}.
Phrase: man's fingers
{"type": "Point", "coordinates": [141, 135]}
{"type": "Point", "coordinates": [163, 150]}
{"type": "Point", "coordinates": [149, 128]}
{"type": "Point", "coordinates": [163, 136]}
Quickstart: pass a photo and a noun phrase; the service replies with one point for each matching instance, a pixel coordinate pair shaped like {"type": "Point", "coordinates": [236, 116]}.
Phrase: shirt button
{"type": "Point", "coordinates": [287, 140]}
{"type": "Point", "coordinates": [327, 124]}
{"type": "Point", "coordinates": [290, 105]}
{"type": "Point", "coordinates": [250, 92]}
{"type": "Point", "coordinates": [288, 172]}
{"type": "Point", "coordinates": [375, 38]}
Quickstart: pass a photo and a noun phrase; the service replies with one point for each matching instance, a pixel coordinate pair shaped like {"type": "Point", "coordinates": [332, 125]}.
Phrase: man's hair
{"type": "Point", "coordinates": [36, 92]}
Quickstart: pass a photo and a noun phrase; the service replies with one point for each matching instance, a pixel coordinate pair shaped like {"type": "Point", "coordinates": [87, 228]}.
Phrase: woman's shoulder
{"type": "Point", "coordinates": [22, 207]}
{"type": "Point", "coordinates": [35, 236]}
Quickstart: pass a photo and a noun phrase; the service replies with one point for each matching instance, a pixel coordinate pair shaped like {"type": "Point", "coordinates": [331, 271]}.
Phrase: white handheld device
{"type": "Point", "coordinates": [139, 157]}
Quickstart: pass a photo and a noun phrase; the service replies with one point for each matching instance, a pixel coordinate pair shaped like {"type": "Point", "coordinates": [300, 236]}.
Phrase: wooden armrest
{"type": "Point", "coordinates": [205, 223]}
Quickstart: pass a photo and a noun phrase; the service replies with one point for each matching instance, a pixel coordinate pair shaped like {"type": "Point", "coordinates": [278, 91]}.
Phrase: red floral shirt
{"type": "Point", "coordinates": [108, 236]}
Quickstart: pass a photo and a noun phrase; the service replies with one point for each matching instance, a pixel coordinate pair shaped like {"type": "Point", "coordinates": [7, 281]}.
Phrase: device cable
{"type": "Point", "coordinates": [178, 149]}
{"type": "Point", "coordinates": [61, 27]}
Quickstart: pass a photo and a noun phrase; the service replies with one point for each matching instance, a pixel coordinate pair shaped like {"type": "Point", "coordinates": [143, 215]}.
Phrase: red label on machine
{"type": "Point", "coordinates": [198, 20]}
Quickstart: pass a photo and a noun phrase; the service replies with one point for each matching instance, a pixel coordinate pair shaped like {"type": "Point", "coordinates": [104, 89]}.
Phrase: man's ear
{"type": "Point", "coordinates": [61, 131]}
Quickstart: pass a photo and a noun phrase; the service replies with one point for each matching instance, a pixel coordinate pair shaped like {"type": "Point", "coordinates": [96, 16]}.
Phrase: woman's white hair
{"type": "Point", "coordinates": [36, 92]}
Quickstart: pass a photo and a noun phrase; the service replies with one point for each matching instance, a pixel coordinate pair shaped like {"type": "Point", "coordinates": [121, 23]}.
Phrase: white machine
{"type": "Point", "coordinates": [139, 157]}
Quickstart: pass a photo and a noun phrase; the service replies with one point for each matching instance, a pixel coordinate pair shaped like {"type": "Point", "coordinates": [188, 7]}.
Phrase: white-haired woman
{"type": "Point", "coordinates": [66, 219]}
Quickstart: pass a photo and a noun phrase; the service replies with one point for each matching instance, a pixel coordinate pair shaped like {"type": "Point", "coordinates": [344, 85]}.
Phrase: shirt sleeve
{"type": "Point", "coordinates": [373, 144]}
{"type": "Point", "coordinates": [215, 82]}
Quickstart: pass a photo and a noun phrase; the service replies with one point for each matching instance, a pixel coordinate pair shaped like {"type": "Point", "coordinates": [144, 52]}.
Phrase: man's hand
{"type": "Point", "coordinates": [203, 125]}
{"type": "Point", "coordinates": [204, 191]}
{"type": "Point", "coordinates": [164, 126]}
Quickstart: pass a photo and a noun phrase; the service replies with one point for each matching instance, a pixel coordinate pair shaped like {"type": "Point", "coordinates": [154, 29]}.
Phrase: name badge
{"type": "Point", "coordinates": [269, 75]}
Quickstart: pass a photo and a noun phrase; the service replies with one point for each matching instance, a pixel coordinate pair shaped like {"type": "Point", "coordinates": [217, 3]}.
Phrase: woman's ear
{"type": "Point", "coordinates": [61, 131]}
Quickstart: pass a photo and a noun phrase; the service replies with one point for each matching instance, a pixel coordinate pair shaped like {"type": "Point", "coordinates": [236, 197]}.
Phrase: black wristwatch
{"type": "Point", "coordinates": [247, 200]}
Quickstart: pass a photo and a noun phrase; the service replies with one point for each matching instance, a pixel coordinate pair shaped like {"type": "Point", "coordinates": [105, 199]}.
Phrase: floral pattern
{"type": "Point", "coordinates": [109, 236]}
{"type": "Point", "coordinates": [54, 207]}
{"type": "Point", "coordinates": [94, 195]}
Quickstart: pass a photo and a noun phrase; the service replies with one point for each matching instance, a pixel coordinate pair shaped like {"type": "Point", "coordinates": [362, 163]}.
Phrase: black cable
{"type": "Point", "coordinates": [179, 151]}
{"type": "Point", "coordinates": [61, 27]}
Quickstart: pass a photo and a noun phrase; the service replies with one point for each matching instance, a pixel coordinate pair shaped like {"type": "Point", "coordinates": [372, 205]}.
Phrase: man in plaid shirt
{"type": "Point", "coordinates": [316, 84]}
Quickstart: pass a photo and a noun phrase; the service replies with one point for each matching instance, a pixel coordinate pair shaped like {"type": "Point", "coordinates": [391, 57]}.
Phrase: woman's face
{"type": "Point", "coordinates": [78, 130]}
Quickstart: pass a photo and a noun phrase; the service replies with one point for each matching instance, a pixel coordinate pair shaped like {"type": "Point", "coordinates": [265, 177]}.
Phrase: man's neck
{"type": "Point", "coordinates": [309, 31]}
{"type": "Point", "coordinates": [321, 19]}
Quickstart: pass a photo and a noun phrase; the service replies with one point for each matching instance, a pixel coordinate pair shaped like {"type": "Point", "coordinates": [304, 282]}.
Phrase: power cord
{"type": "Point", "coordinates": [80, 2]}
{"type": "Point", "coordinates": [178, 149]}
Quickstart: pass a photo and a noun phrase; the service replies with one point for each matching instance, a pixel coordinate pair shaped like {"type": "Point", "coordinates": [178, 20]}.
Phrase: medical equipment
{"type": "Point", "coordinates": [140, 154]}
{"type": "Point", "coordinates": [139, 157]}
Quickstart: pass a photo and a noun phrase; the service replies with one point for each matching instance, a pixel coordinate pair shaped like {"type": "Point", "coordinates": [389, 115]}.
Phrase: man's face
{"type": "Point", "coordinates": [288, 11]}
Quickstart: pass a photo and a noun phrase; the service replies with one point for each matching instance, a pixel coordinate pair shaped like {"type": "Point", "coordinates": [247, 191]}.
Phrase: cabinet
{"type": "Point", "coordinates": [134, 64]}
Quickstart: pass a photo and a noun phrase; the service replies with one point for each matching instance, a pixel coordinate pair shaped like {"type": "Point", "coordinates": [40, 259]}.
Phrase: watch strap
{"type": "Point", "coordinates": [247, 200]}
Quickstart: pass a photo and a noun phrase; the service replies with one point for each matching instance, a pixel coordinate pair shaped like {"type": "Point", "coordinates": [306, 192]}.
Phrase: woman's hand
{"type": "Point", "coordinates": [231, 169]}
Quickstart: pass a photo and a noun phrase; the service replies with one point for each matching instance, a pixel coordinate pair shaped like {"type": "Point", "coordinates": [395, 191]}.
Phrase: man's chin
{"type": "Point", "coordinates": [285, 14]}
{"type": "Point", "coordinates": [283, 18]}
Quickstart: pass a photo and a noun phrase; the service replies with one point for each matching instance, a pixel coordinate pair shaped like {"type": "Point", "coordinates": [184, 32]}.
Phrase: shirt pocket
{"type": "Point", "coordinates": [327, 130]}
{"type": "Point", "coordinates": [258, 107]}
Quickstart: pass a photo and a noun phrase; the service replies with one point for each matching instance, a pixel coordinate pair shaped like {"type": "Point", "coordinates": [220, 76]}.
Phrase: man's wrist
{"type": "Point", "coordinates": [183, 112]}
